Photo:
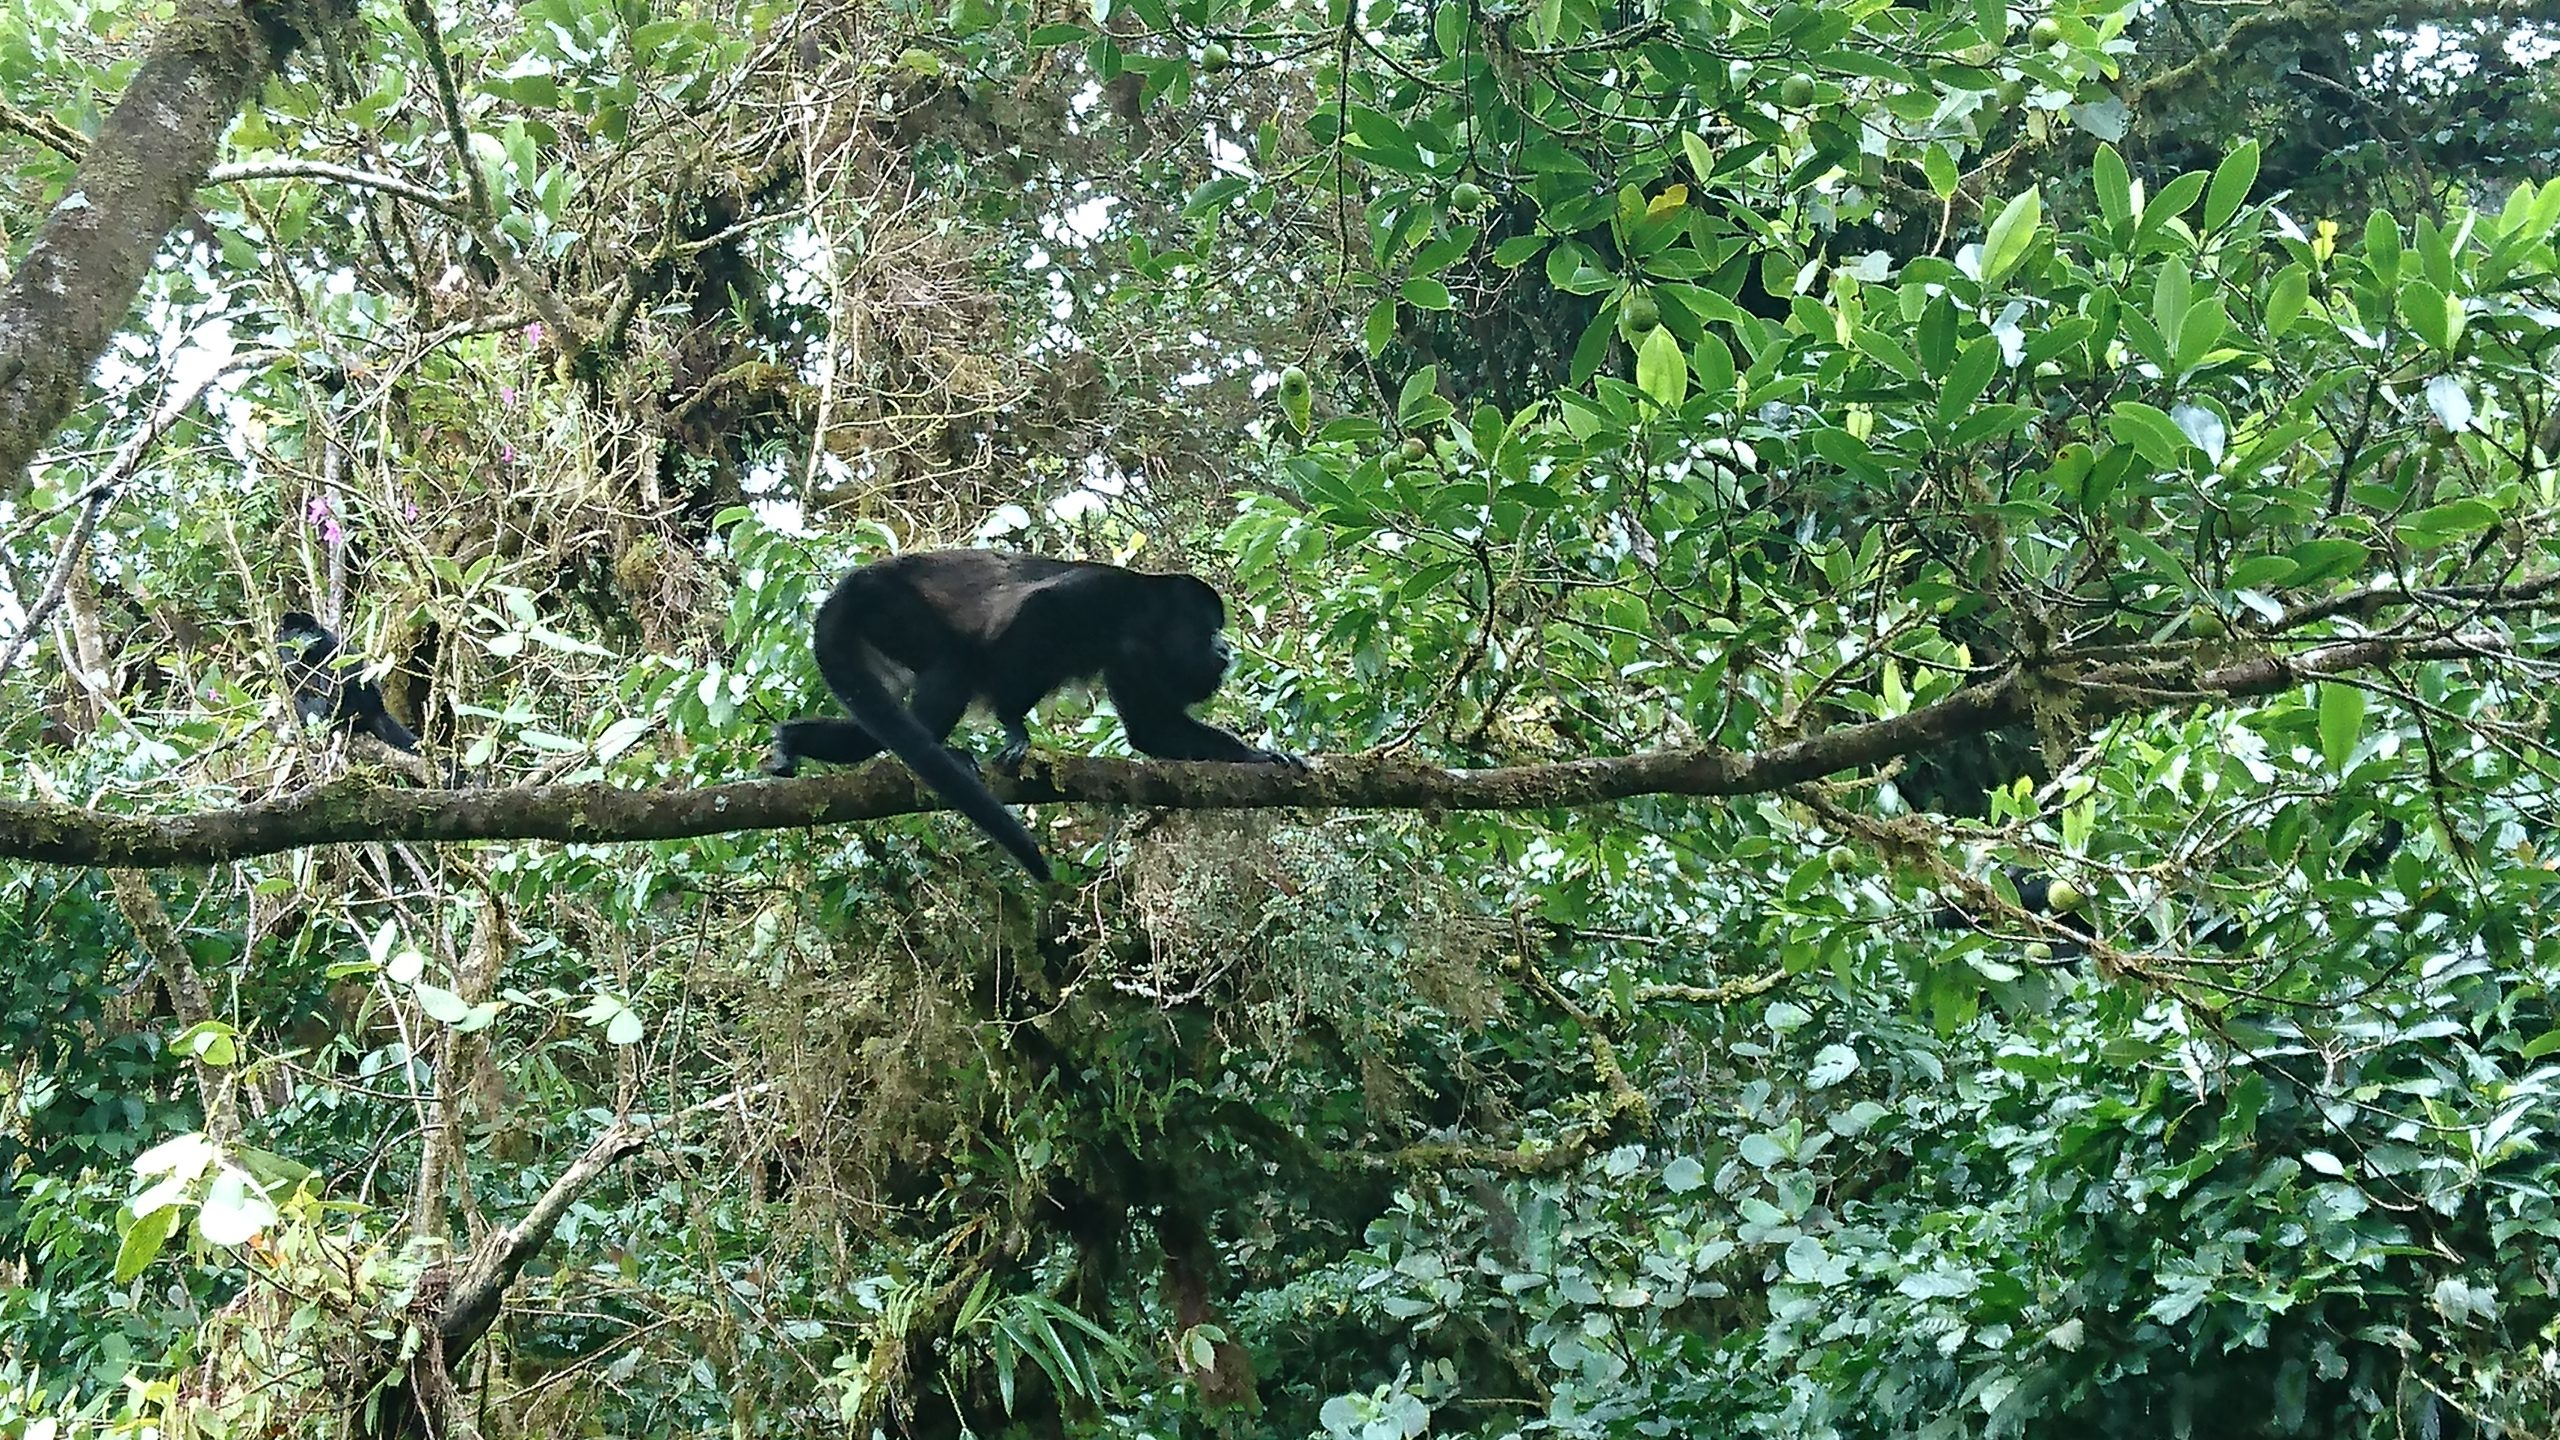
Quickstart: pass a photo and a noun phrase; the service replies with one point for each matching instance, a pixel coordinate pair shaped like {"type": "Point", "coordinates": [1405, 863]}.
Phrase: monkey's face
{"type": "Point", "coordinates": [297, 629]}
{"type": "Point", "coordinates": [1186, 661]}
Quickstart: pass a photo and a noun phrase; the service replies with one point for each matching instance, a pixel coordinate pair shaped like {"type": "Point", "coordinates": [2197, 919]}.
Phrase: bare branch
{"type": "Point", "coordinates": [355, 808]}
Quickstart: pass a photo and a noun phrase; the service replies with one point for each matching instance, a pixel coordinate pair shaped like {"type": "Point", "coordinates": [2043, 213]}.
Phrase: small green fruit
{"type": "Point", "coordinates": [1466, 197]}
{"type": "Point", "coordinates": [2045, 32]}
{"type": "Point", "coordinates": [1214, 57]}
{"type": "Point", "coordinates": [1641, 313]}
{"type": "Point", "coordinates": [1297, 398]}
{"type": "Point", "coordinates": [2063, 895]}
{"type": "Point", "coordinates": [1840, 860]}
{"type": "Point", "coordinates": [1413, 452]}
{"type": "Point", "coordinates": [1796, 91]}
{"type": "Point", "coordinates": [2012, 94]}
{"type": "Point", "coordinates": [2038, 950]}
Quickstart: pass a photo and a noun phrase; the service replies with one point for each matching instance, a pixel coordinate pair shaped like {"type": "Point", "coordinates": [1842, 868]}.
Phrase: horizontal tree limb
{"type": "Point", "coordinates": [356, 808]}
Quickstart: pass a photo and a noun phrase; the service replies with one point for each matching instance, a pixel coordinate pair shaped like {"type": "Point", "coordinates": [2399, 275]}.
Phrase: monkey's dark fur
{"type": "Point", "coordinates": [948, 627]}
{"type": "Point", "coordinates": [327, 686]}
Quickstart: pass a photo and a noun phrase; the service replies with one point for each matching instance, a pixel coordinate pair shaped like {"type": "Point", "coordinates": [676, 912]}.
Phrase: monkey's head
{"type": "Point", "coordinates": [299, 627]}
{"type": "Point", "coordinates": [1182, 649]}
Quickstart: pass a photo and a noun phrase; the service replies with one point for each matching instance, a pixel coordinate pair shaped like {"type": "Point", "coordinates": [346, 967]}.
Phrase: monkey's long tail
{"type": "Point", "coordinates": [889, 722]}
{"type": "Point", "coordinates": [394, 734]}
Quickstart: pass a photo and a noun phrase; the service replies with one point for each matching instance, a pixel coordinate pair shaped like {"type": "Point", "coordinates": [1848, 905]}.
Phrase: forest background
{"type": "Point", "coordinates": [1928, 630]}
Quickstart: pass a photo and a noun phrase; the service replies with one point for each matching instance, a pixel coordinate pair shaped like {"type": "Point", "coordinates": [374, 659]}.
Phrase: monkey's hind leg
{"type": "Point", "coordinates": [836, 742]}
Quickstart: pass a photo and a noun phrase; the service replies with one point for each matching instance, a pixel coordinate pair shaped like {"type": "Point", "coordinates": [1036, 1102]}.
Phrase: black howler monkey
{"type": "Point", "coordinates": [948, 627]}
{"type": "Point", "coordinates": [326, 685]}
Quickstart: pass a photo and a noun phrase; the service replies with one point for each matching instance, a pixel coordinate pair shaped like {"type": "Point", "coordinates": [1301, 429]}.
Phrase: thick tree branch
{"type": "Point", "coordinates": [134, 184]}
{"type": "Point", "coordinates": [356, 809]}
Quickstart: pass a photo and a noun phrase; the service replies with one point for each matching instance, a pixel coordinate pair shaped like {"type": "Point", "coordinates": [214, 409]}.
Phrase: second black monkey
{"type": "Point", "coordinates": [327, 687]}
{"type": "Point", "coordinates": [948, 627]}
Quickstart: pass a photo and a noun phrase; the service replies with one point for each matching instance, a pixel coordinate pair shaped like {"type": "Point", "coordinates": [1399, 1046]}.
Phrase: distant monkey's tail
{"type": "Point", "coordinates": [840, 654]}
{"type": "Point", "coordinates": [394, 734]}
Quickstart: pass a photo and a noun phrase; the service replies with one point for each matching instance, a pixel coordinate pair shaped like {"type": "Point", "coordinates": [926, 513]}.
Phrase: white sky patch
{"type": "Point", "coordinates": [781, 515]}
{"type": "Point", "coordinates": [1104, 478]}
{"type": "Point", "coordinates": [1225, 155]}
{"type": "Point", "coordinates": [1082, 223]}
{"type": "Point", "coordinates": [1077, 504]}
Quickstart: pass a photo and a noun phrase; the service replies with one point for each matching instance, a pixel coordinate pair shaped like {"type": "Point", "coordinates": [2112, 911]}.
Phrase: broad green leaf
{"type": "Point", "coordinates": [2171, 293]}
{"type": "Point", "coordinates": [2114, 185]}
{"type": "Point", "coordinates": [1969, 377]}
{"type": "Point", "coordinates": [2231, 181]}
{"type": "Point", "coordinates": [2203, 329]}
{"type": "Point", "coordinates": [2285, 299]}
{"type": "Point", "coordinates": [1380, 330]}
{"type": "Point", "coordinates": [2150, 553]}
{"type": "Point", "coordinates": [2341, 724]}
{"type": "Point", "coordinates": [2382, 246]}
{"type": "Point", "coordinates": [2148, 429]}
{"type": "Point", "coordinates": [2433, 316]}
{"type": "Point", "coordinates": [142, 1243]}
{"type": "Point", "coordinates": [1421, 389]}
{"type": "Point", "coordinates": [442, 1005]}
{"type": "Point", "coordinates": [1885, 351]}
{"type": "Point", "coordinates": [2007, 241]}
{"type": "Point", "coordinates": [1939, 165]}
{"type": "Point", "coordinates": [1702, 159]}
{"type": "Point", "coordinates": [2324, 559]}
{"type": "Point", "coordinates": [2262, 572]}
{"type": "Point", "coordinates": [1660, 370]}
{"type": "Point", "coordinates": [1425, 293]}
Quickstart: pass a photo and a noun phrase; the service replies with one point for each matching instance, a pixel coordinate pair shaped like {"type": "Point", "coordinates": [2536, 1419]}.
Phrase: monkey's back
{"type": "Point", "coordinates": [999, 612]}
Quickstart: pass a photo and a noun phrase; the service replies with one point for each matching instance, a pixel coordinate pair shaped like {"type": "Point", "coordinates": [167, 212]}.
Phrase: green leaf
{"type": "Point", "coordinates": [2171, 294]}
{"type": "Point", "coordinates": [2149, 430]}
{"type": "Point", "coordinates": [1970, 376]}
{"type": "Point", "coordinates": [142, 1244]}
{"type": "Point", "coordinates": [2441, 525]}
{"type": "Point", "coordinates": [2382, 247]}
{"type": "Point", "coordinates": [1939, 164]}
{"type": "Point", "coordinates": [1421, 393]}
{"type": "Point", "coordinates": [2341, 724]}
{"type": "Point", "coordinates": [1380, 331]}
{"type": "Point", "coordinates": [1885, 351]}
{"type": "Point", "coordinates": [1661, 372]}
{"type": "Point", "coordinates": [1702, 159]}
{"type": "Point", "coordinates": [2317, 560]}
{"type": "Point", "coordinates": [2010, 236]}
{"type": "Point", "coordinates": [1426, 293]}
{"type": "Point", "coordinates": [2262, 572]}
{"type": "Point", "coordinates": [2231, 181]}
{"type": "Point", "coordinates": [2115, 185]}
{"type": "Point", "coordinates": [2433, 316]}
{"type": "Point", "coordinates": [442, 1005]}
{"type": "Point", "coordinates": [2152, 555]}
{"type": "Point", "coordinates": [2286, 298]}
{"type": "Point", "coordinates": [2204, 328]}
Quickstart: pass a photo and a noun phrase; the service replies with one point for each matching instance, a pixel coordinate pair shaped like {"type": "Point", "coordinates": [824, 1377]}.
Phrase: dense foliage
{"type": "Point", "coordinates": [2060, 501]}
